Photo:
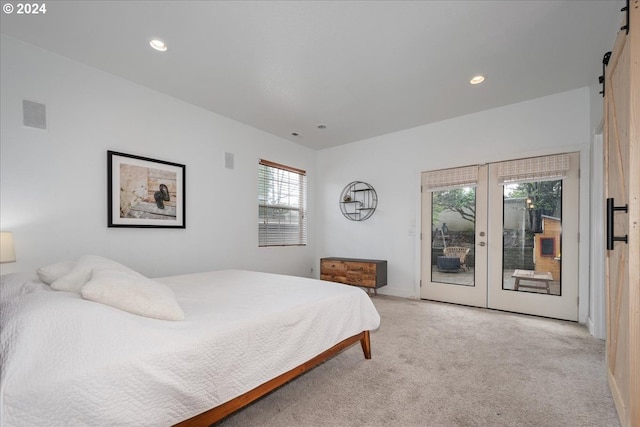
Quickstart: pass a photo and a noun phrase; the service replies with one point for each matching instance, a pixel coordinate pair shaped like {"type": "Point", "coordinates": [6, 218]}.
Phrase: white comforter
{"type": "Point", "coordinates": [68, 361]}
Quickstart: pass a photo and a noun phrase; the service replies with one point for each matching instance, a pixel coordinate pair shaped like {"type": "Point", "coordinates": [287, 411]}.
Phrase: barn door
{"type": "Point", "coordinates": [622, 171]}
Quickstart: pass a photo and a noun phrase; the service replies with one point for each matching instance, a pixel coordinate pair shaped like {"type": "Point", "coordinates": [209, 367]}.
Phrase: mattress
{"type": "Point", "coordinates": [69, 361]}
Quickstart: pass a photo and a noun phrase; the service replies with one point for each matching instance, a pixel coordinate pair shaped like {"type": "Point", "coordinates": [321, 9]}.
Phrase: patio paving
{"type": "Point", "coordinates": [466, 278]}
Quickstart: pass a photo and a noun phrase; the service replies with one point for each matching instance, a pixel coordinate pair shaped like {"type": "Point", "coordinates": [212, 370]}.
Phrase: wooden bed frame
{"type": "Point", "coordinates": [219, 412]}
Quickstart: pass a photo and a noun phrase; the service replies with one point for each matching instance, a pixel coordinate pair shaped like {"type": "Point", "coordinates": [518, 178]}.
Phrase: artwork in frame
{"type": "Point", "coordinates": [144, 192]}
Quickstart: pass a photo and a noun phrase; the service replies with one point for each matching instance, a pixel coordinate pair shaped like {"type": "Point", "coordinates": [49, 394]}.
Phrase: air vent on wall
{"type": "Point", "coordinates": [228, 160]}
{"type": "Point", "coordinates": [34, 114]}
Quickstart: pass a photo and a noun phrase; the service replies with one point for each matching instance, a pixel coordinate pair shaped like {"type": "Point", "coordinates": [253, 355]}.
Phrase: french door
{"type": "Point", "coordinates": [503, 236]}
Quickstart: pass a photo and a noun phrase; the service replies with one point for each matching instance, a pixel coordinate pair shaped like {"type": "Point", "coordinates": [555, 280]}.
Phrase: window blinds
{"type": "Point", "coordinates": [450, 178]}
{"type": "Point", "coordinates": [281, 205]}
{"type": "Point", "coordinates": [533, 169]}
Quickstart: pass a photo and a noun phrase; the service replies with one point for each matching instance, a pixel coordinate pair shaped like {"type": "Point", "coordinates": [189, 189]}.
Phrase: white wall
{"type": "Point", "coordinates": [53, 182]}
{"type": "Point", "coordinates": [393, 163]}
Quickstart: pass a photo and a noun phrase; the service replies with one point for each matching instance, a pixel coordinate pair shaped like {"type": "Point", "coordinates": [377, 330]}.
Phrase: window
{"type": "Point", "coordinates": [547, 246]}
{"type": "Point", "coordinates": [282, 194]}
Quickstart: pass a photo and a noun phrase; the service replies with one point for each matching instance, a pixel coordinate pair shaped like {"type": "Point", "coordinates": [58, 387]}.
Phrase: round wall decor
{"type": "Point", "coordinates": [358, 201]}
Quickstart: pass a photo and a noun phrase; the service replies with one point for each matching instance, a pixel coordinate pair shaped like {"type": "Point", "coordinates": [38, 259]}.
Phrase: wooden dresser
{"type": "Point", "coordinates": [367, 273]}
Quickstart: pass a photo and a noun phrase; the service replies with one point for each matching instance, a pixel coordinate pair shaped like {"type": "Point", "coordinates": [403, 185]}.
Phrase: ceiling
{"type": "Point", "coordinates": [362, 68]}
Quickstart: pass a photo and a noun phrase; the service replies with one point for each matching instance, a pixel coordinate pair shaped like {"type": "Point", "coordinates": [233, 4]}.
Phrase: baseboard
{"type": "Point", "coordinates": [590, 326]}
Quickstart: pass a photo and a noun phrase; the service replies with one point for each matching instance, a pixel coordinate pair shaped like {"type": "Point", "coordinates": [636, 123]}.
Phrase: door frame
{"type": "Point", "coordinates": [596, 319]}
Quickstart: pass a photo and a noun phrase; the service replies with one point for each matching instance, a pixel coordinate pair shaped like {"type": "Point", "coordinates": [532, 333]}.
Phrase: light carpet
{"type": "Point", "coordinates": [438, 364]}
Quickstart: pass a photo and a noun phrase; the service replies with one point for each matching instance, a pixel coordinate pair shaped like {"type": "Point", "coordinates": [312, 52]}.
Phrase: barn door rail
{"type": "Point", "coordinates": [611, 208]}
{"type": "Point", "coordinates": [605, 59]}
{"type": "Point", "coordinates": [626, 9]}
{"type": "Point", "coordinates": [605, 62]}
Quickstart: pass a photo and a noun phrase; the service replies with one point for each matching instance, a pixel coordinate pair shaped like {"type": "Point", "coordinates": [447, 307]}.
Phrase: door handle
{"type": "Point", "coordinates": [482, 244]}
{"type": "Point", "coordinates": [611, 237]}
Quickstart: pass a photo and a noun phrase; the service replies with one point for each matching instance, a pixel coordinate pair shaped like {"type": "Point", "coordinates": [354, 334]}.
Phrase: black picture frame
{"type": "Point", "coordinates": [144, 192]}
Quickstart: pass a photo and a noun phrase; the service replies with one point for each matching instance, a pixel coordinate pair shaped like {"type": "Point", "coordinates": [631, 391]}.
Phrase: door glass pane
{"type": "Point", "coordinates": [532, 237]}
{"type": "Point", "coordinates": [453, 215]}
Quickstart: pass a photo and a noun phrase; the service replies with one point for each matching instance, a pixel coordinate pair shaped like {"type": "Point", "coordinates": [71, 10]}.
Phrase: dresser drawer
{"type": "Point", "coordinates": [333, 266]}
{"type": "Point", "coordinates": [361, 279]}
{"type": "Point", "coordinates": [333, 271]}
{"type": "Point", "coordinates": [361, 267]}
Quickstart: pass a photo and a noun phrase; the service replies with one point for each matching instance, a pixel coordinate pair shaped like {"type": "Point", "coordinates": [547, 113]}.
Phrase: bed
{"type": "Point", "coordinates": [70, 358]}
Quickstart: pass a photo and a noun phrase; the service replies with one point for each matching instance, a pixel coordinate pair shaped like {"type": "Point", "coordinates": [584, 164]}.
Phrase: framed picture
{"type": "Point", "coordinates": [145, 193]}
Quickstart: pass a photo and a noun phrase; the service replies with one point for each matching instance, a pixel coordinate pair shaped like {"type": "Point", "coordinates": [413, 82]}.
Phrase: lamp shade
{"type": "Point", "coordinates": [7, 251]}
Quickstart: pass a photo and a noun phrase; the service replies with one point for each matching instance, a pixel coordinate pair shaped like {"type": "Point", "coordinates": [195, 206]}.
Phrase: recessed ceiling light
{"type": "Point", "coordinates": [476, 80]}
{"type": "Point", "coordinates": [158, 44]}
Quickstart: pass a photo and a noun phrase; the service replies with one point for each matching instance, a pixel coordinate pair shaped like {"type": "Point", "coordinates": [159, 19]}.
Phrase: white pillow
{"type": "Point", "coordinates": [81, 272]}
{"type": "Point", "coordinates": [50, 273]}
{"type": "Point", "coordinates": [132, 292]}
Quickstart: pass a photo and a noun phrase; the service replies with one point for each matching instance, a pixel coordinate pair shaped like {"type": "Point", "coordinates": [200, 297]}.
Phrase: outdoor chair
{"type": "Point", "coordinates": [460, 252]}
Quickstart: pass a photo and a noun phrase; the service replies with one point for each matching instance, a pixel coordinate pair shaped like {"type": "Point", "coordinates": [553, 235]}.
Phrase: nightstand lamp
{"type": "Point", "coordinates": [7, 251]}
